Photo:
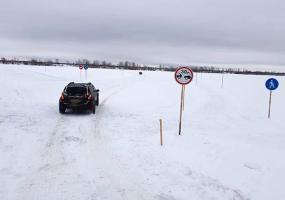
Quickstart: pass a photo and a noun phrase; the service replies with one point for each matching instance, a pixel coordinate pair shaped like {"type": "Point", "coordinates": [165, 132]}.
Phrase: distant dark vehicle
{"type": "Point", "coordinates": [140, 73]}
{"type": "Point", "coordinates": [79, 96]}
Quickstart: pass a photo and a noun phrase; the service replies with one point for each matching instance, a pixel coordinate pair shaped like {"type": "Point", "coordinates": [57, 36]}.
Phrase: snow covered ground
{"type": "Point", "coordinates": [228, 149]}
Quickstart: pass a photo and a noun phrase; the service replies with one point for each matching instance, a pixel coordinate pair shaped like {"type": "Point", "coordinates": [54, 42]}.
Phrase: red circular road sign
{"type": "Point", "coordinates": [183, 75]}
{"type": "Point", "coordinates": [80, 66]}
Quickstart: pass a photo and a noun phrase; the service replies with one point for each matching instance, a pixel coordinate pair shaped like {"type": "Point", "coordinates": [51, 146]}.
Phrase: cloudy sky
{"type": "Point", "coordinates": [146, 31]}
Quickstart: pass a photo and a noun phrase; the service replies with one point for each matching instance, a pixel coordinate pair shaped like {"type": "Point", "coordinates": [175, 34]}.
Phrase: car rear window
{"type": "Point", "coordinates": [76, 90]}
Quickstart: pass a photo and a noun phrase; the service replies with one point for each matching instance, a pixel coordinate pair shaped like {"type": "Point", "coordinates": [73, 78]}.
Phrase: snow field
{"type": "Point", "coordinates": [228, 148]}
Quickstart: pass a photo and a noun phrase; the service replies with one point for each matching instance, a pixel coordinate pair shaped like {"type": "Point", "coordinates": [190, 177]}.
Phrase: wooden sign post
{"type": "Point", "coordinates": [222, 80]}
{"type": "Point", "coordinates": [161, 138]}
{"type": "Point", "coordinates": [183, 76]}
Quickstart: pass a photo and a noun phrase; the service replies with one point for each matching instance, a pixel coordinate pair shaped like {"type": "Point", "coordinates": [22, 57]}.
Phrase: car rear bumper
{"type": "Point", "coordinates": [86, 104]}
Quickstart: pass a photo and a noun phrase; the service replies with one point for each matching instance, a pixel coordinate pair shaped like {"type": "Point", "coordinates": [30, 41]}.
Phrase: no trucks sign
{"type": "Point", "coordinates": [183, 76]}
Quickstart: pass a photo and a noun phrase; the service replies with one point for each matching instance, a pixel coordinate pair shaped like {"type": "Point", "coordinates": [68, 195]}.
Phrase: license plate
{"type": "Point", "coordinates": [75, 101]}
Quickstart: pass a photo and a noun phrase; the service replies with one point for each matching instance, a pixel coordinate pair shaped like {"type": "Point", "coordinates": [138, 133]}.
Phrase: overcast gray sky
{"type": "Point", "coordinates": [146, 31]}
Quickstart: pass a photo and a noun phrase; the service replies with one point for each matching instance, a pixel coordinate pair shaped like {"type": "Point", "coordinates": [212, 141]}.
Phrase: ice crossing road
{"type": "Point", "coordinates": [115, 154]}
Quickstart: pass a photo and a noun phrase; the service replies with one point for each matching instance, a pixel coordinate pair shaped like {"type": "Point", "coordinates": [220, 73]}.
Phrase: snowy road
{"type": "Point", "coordinates": [228, 148]}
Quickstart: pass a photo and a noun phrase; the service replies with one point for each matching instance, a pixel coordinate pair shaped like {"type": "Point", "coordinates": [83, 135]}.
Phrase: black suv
{"type": "Point", "coordinates": [79, 95]}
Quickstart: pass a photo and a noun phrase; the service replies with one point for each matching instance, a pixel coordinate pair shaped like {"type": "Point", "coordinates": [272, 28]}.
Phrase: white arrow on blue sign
{"type": "Point", "coordinates": [86, 66]}
{"type": "Point", "coordinates": [271, 84]}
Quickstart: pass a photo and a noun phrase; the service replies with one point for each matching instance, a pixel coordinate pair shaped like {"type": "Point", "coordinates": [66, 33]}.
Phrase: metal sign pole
{"type": "Point", "coordinates": [269, 109]}
{"type": "Point", "coordinates": [183, 76]}
{"type": "Point", "coordinates": [85, 70]}
{"type": "Point", "coordinates": [181, 105]}
{"type": "Point", "coordinates": [183, 97]}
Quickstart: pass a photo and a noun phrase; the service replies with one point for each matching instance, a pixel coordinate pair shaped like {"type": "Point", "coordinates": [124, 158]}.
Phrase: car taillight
{"type": "Point", "coordinates": [90, 97]}
{"type": "Point", "coordinates": [62, 97]}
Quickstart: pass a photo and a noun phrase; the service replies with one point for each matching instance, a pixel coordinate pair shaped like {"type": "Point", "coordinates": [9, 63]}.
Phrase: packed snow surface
{"type": "Point", "coordinates": [228, 148]}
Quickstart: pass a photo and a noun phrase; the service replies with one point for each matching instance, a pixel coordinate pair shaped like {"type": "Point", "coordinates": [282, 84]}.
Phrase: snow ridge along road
{"type": "Point", "coordinates": [228, 148]}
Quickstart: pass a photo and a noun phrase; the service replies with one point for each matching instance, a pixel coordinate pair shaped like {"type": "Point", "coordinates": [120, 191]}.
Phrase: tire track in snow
{"type": "Point", "coordinates": [121, 185]}
{"type": "Point", "coordinates": [56, 173]}
{"type": "Point", "coordinates": [42, 179]}
{"type": "Point", "coordinates": [52, 169]}
{"type": "Point", "coordinates": [56, 78]}
{"type": "Point", "coordinates": [129, 188]}
{"type": "Point", "coordinates": [54, 132]}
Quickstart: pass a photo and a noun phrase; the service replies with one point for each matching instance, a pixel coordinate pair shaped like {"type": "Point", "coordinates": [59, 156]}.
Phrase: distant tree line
{"type": "Point", "coordinates": [127, 65]}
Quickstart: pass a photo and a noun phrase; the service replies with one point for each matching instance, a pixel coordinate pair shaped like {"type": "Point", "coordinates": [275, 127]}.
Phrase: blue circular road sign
{"type": "Point", "coordinates": [86, 66]}
{"type": "Point", "coordinates": [271, 84]}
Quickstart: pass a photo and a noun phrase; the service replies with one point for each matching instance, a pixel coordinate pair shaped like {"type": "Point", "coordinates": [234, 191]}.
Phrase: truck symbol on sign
{"type": "Point", "coordinates": [187, 77]}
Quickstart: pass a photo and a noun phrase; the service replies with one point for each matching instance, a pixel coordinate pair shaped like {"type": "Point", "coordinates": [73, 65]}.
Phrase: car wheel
{"type": "Point", "coordinates": [62, 108]}
{"type": "Point", "coordinates": [93, 109]}
{"type": "Point", "coordinates": [97, 101]}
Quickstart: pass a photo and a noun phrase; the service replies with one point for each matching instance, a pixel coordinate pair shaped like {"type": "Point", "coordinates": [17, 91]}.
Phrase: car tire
{"type": "Point", "coordinates": [93, 108]}
{"type": "Point", "coordinates": [97, 101]}
{"type": "Point", "coordinates": [62, 108]}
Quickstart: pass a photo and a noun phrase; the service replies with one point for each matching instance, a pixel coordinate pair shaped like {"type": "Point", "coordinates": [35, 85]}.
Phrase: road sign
{"type": "Point", "coordinates": [271, 84]}
{"type": "Point", "coordinates": [86, 66]}
{"type": "Point", "coordinates": [80, 66]}
{"type": "Point", "coordinates": [183, 75]}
